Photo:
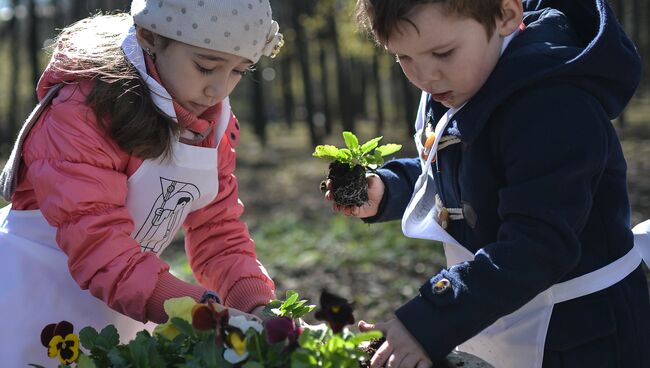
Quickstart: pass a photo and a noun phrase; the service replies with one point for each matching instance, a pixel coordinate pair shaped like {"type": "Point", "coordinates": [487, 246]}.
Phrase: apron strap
{"type": "Point", "coordinates": [609, 275]}
{"type": "Point", "coordinates": [9, 175]}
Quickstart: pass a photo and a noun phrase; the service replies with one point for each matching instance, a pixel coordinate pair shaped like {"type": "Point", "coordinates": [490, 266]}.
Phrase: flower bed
{"type": "Point", "coordinates": [206, 335]}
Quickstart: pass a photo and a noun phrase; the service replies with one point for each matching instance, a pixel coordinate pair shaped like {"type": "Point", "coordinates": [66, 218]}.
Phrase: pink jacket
{"type": "Point", "coordinates": [77, 176]}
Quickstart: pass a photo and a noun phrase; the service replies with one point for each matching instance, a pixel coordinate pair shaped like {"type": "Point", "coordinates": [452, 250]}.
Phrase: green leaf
{"type": "Point", "coordinates": [388, 149]}
{"type": "Point", "coordinates": [344, 155]}
{"type": "Point", "coordinates": [292, 296]}
{"type": "Point", "coordinates": [143, 351]}
{"type": "Point", "coordinates": [250, 364]}
{"type": "Point", "coordinates": [85, 362]}
{"type": "Point", "coordinates": [183, 327]}
{"type": "Point", "coordinates": [364, 336]}
{"type": "Point", "coordinates": [351, 140]}
{"type": "Point", "coordinates": [370, 145]}
{"type": "Point", "coordinates": [210, 354]}
{"type": "Point", "coordinates": [272, 309]}
{"type": "Point", "coordinates": [108, 338]}
{"type": "Point", "coordinates": [88, 337]}
{"type": "Point", "coordinates": [326, 151]}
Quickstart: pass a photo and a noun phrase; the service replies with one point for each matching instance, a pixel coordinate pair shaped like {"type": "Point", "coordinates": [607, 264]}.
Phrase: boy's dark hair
{"type": "Point", "coordinates": [381, 17]}
{"type": "Point", "coordinates": [120, 98]}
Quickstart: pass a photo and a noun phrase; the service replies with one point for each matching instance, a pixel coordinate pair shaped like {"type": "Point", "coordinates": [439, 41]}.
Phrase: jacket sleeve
{"type": "Point", "coordinates": [552, 160]}
{"type": "Point", "coordinates": [220, 250]}
{"type": "Point", "coordinates": [399, 177]}
{"type": "Point", "coordinates": [80, 185]}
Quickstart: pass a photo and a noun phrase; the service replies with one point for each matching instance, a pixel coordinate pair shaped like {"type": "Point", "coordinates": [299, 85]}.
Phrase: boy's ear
{"type": "Point", "coordinates": [146, 38]}
{"type": "Point", "coordinates": [512, 13]}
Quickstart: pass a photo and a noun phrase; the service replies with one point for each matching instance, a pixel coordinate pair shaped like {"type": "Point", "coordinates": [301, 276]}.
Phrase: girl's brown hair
{"type": "Point", "coordinates": [381, 17]}
{"type": "Point", "coordinates": [120, 98]}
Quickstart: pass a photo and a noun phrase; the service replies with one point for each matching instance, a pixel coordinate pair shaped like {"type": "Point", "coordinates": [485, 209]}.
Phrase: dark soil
{"type": "Point", "coordinates": [376, 343]}
{"type": "Point", "coordinates": [349, 185]}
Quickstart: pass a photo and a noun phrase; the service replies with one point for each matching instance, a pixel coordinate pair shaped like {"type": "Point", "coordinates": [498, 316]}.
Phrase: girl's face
{"type": "Point", "coordinates": [198, 78]}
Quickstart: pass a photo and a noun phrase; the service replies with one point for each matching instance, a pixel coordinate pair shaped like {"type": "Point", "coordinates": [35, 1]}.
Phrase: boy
{"type": "Point", "coordinates": [521, 176]}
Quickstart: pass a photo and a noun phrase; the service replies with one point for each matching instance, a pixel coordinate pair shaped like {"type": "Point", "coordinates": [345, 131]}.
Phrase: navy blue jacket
{"type": "Point", "coordinates": [541, 176]}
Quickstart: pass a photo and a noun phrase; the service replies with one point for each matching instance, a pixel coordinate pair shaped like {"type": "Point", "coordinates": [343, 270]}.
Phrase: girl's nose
{"type": "Point", "coordinates": [217, 88]}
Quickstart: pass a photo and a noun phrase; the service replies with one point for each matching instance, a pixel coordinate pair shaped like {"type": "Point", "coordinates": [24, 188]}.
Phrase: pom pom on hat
{"type": "Point", "coordinates": [240, 27]}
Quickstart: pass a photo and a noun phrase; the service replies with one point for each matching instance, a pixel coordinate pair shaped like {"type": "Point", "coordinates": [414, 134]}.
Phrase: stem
{"type": "Point", "coordinates": [259, 349]}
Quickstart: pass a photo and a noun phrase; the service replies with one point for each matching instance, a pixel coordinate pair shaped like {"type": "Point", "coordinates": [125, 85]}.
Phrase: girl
{"type": "Point", "coordinates": [133, 137]}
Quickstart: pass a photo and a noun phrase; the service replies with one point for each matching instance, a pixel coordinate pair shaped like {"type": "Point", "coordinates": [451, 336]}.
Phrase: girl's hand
{"type": "Point", "coordinates": [259, 312]}
{"type": "Point", "coordinates": [249, 316]}
{"type": "Point", "coordinates": [368, 209]}
{"type": "Point", "coordinates": [400, 348]}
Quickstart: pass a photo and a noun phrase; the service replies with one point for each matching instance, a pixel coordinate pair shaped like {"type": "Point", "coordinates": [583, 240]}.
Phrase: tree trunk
{"type": "Point", "coordinates": [378, 100]}
{"type": "Point", "coordinates": [259, 108]}
{"type": "Point", "coordinates": [287, 93]}
{"type": "Point", "coordinates": [303, 56]}
{"type": "Point", "coordinates": [15, 52]}
{"type": "Point", "coordinates": [34, 47]}
{"type": "Point", "coordinates": [324, 81]}
{"type": "Point", "coordinates": [343, 79]}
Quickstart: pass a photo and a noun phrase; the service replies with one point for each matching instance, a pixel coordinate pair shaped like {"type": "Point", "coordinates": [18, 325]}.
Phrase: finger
{"type": "Point", "coordinates": [381, 356]}
{"type": "Point", "coordinates": [409, 361]}
{"type": "Point", "coordinates": [365, 326]}
{"type": "Point", "coordinates": [328, 184]}
{"type": "Point", "coordinates": [424, 364]}
{"type": "Point", "coordinates": [328, 195]}
{"type": "Point", "coordinates": [394, 361]}
{"type": "Point", "coordinates": [352, 210]}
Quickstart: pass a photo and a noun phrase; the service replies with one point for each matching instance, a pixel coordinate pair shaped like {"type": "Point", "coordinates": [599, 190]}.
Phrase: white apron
{"type": "Point", "coordinates": [37, 288]}
{"type": "Point", "coordinates": [516, 340]}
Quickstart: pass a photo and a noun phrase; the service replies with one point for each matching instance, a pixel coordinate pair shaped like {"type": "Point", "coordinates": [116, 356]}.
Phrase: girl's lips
{"type": "Point", "coordinates": [441, 97]}
{"type": "Point", "coordinates": [199, 107]}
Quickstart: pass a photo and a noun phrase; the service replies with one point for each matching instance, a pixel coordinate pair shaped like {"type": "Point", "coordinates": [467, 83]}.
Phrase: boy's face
{"type": "Point", "coordinates": [451, 56]}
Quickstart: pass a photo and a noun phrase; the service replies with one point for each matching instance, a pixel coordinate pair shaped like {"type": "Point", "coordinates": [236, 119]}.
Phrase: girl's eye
{"type": "Point", "coordinates": [442, 55]}
{"type": "Point", "coordinates": [203, 70]}
{"type": "Point", "coordinates": [245, 71]}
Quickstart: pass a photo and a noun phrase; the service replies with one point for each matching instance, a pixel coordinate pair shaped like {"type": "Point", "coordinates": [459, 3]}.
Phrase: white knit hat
{"type": "Point", "coordinates": [239, 27]}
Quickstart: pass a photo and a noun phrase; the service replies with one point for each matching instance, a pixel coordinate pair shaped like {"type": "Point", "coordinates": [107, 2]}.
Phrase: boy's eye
{"type": "Point", "coordinates": [442, 55]}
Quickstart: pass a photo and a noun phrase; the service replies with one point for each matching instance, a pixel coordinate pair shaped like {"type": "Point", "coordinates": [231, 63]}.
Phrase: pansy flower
{"type": "Point", "coordinates": [235, 338]}
{"type": "Point", "coordinates": [61, 342]}
{"type": "Point", "coordinates": [334, 310]}
{"type": "Point", "coordinates": [280, 328]}
{"type": "Point", "coordinates": [179, 308]}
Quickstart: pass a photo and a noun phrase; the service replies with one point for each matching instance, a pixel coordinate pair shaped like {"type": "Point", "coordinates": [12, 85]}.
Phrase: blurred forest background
{"type": "Point", "coordinates": [327, 78]}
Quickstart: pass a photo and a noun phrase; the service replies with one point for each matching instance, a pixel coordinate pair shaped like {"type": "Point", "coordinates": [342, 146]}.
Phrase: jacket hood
{"type": "Point", "coordinates": [578, 42]}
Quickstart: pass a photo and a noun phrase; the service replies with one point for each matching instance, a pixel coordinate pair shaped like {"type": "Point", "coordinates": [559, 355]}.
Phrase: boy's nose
{"type": "Point", "coordinates": [426, 72]}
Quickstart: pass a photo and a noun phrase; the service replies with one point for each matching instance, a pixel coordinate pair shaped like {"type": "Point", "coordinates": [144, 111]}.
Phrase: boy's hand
{"type": "Point", "coordinates": [368, 209]}
{"type": "Point", "coordinates": [400, 348]}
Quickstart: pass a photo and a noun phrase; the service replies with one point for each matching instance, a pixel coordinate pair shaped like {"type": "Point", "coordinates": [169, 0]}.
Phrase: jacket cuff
{"type": "Point", "coordinates": [431, 312]}
{"type": "Point", "coordinates": [421, 319]}
{"type": "Point", "coordinates": [167, 287]}
{"type": "Point", "coordinates": [248, 293]}
{"type": "Point", "coordinates": [390, 207]}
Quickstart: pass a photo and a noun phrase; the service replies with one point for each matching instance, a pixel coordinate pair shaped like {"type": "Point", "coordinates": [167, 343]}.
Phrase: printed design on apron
{"type": "Point", "coordinates": [167, 214]}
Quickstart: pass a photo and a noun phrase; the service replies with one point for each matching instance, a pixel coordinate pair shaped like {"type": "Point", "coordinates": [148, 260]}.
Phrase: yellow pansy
{"type": "Point", "coordinates": [179, 308]}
